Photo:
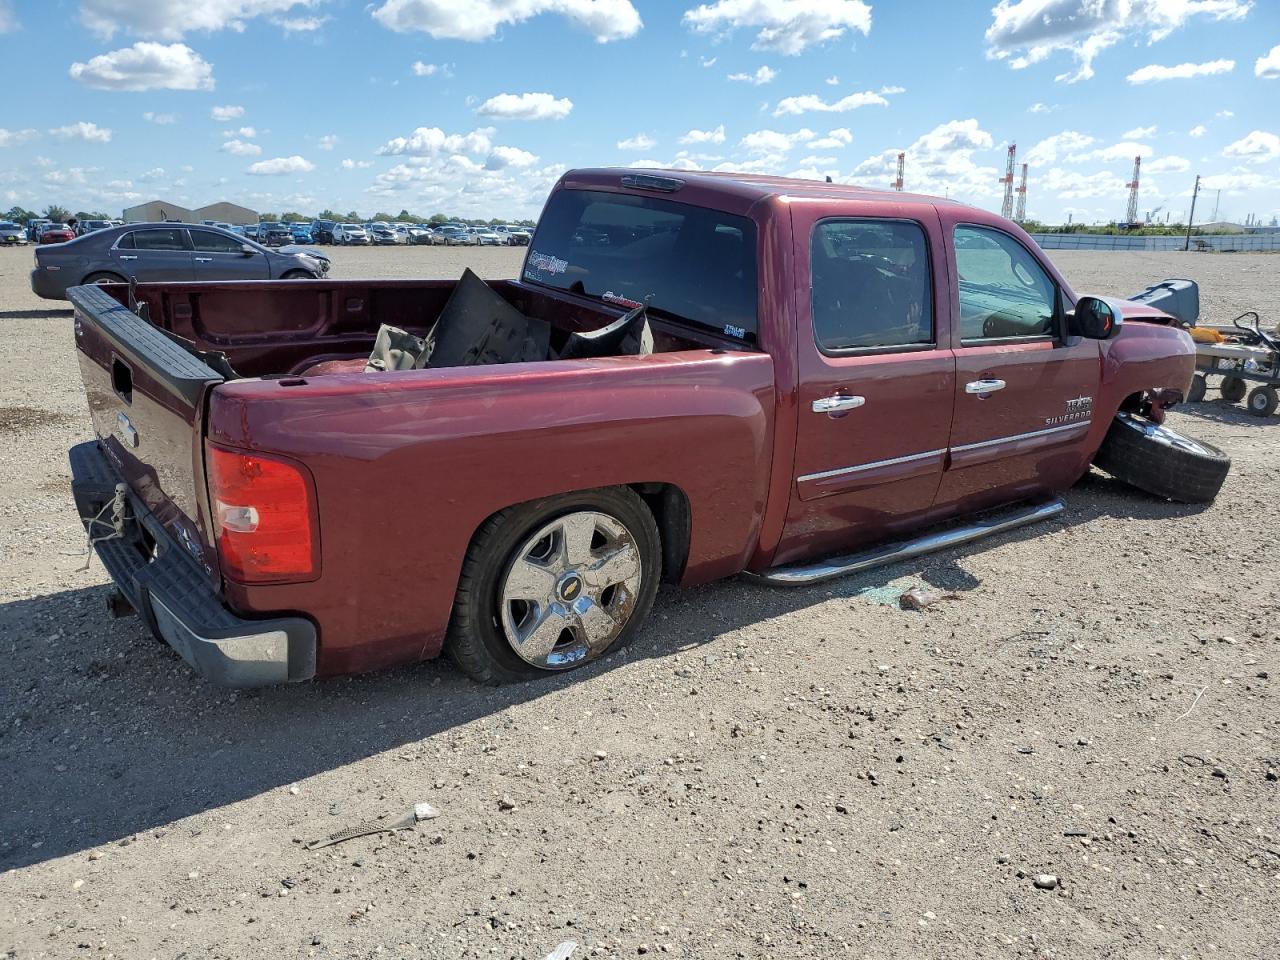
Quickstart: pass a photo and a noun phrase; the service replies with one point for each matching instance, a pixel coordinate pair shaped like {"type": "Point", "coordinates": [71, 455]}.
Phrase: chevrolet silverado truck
{"type": "Point", "coordinates": [838, 377]}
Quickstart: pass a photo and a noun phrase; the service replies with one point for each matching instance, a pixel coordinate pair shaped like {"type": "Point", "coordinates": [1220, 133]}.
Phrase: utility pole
{"type": "Point", "coordinates": [1192, 218]}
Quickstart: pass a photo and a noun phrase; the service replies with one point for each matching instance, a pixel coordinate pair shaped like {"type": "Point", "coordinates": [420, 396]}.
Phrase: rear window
{"type": "Point", "coordinates": [688, 263]}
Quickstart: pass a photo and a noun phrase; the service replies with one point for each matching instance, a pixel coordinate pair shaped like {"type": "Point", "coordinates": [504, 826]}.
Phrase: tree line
{"type": "Point", "coordinates": [53, 212]}
{"type": "Point", "coordinates": [59, 214]}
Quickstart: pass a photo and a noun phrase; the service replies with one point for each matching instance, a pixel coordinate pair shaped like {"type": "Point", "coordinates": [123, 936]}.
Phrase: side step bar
{"type": "Point", "coordinates": [804, 575]}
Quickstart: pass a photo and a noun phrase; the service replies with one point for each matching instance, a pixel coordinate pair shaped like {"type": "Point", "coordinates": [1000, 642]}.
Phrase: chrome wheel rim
{"type": "Point", "coordinates": [569, 590]}
{"type": "Point", "coordinates": [1162, 434]}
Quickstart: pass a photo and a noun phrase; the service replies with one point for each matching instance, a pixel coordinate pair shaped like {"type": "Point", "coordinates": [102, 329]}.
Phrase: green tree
{"type": "Point", "coordinates": [20, 215]}
{"type": "Point", "coordinates": [329, 215]}
{"type": "Point", "coordinates": [438, 218]}
{"type": "Point", "coordinates": [353, 217]}
{"type": "Point", "coordinates": [56, 213]}
{"type": "Point", "coordinates": [292, 216]}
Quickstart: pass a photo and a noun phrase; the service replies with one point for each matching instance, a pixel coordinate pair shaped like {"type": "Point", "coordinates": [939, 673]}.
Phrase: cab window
{"type": "Point", "coordinates": [1004, 292]}
{"type": "Point", "coordinates": [871, 285]}
{"type": "Point", "coordinates": [154, 240]}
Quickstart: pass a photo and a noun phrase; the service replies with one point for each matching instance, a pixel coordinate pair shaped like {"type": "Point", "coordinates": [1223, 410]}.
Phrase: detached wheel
{"type": "Point", "coordinates": [1197, 389]}
{"type": "Point", "coordinates": [551, 585]}
{"type": "Point", "coordinates": [1263, 401]}
{"type": "Point", "coordinates": [1161, 461]}
{"type": "Point", "coordinates": [1233, 389]}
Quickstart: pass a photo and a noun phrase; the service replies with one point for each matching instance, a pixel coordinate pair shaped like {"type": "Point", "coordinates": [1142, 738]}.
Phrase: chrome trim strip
{"type": "Point", "coordinates": [1025, 436]}
{"type": "Point", "coordinates": [870, 466]}
{"type": "Point", "coordinates": [803, 575]}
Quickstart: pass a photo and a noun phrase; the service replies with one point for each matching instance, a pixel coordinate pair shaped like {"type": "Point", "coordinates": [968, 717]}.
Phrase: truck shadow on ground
{"type": "Point", "coordinates": [105, 733]}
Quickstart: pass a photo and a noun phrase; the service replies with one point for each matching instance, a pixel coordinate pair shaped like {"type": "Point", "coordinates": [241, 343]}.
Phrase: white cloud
{"type": "Point", "coordinates": [1025, 32]}
{"type": "Point", "coordinates": [1073, 185]}
{"type": "Point", "coordinates": [814, 161]}
{"type": "Point", "coordinates": [247, 132]}
{"type": "Point", "coordinates": [1125, 150]}
{"type": "Point", "coordinates": [526, 106]}
{"type": "Point", "coordinates": [939, 162]}
{"type": "Point", "coordinates": [832, 81]}
{"type": "Point", "coordinates": [502, 157]}
{"type": "Point", "coordinates": [812, 103]}
{"type": "Point", "coordinates": [1139, 133]}
{"type": "Point", "coordinates": [641, 141]}
{"type": "Point", "coordinates": [356, 164]}
{"type": "Point", "coordinates": [788, 26]}
{"type": "Point", "coordinates": [240, 148]}
{"type": "Point", "coordinates": [1041, 108]}
{"type": "Point", "coordinates": [1199, 130]}
{"type": "Point", "coordinates": [14, 138]}
{"type": "Point", "coordinates": [432, 141]}
{"type": "Point", "coordinates": [88, 132]}
{"type": "Point", "coordinates": [329, 141]}
{"type": "Point", "coordinates": [300, 24]}
{"type": "Point", "coordinates": [1170, 164]}
{"type": "Point", "coordinates": [476, 20]}
{"type": "Point", "coordinates": [704, 136]}
{"type": "Point", "coordinates": [170, 19]}
{"type": "Point", "coordinates": [146, 66]}
{"type": "Point", "coordinates": [836, 139]}
{"type": "Point", "coordinates": [162, 119]}
{"type": "Point", "coordinates": [421, 69]}
{"type": "Point", "coordinates": [7, 20]}
{"type": "Point", "coordinates": [1183, 71]}
{"type": "Point", "coordinates": [773, 143]}
{"type": "Point", "coordinates": [1258, 147]}
{"type": "Point", "coordinates": [707, 61]}
{"type": "Point", "coordinates": [1049, 149]}
{"type": "Point", "coordinates": [281, 165]}
{"type": "Point", "coordinates": [759, 78]}
{"type": "Point", "coordinates": [1225, 114]}
{"type": "Point", "coordinates": [1268, 65]}
{"type": "Point", "coordinates": [227, 113]}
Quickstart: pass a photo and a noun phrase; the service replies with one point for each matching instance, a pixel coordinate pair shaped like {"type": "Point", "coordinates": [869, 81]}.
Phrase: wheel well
{"type": "Point", "coordinates": [670, 508]}
{"type": "Point", "coordinates": [1133, 403]}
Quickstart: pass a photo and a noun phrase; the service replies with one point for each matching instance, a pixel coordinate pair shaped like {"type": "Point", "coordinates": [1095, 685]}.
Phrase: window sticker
{"type": "Point", "coordinates": [545, 263]}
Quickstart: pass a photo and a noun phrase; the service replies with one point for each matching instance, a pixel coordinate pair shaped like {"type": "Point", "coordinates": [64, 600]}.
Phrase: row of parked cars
{"type": "Point", "coordinates": [382, 233]}
{"type": "Point", "coordinates": [49, 231]}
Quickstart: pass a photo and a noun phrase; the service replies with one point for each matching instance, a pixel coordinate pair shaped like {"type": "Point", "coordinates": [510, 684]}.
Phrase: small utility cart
{"type": "Point", "coordinates": [1239, 352]}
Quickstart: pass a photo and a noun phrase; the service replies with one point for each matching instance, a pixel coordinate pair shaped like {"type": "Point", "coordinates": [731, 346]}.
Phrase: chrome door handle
{"type": "Point", "coordinates": [128, 258]}
{"type": "Point", "coordinates": [204, 259]}
{"type": "Point", "coordinates": [984, 386]}
{"type": "Point", "coordinates": [837, 404]}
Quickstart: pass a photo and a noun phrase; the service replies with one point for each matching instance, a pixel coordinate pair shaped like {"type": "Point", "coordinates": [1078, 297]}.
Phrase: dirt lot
{"type": "Point", "coordinates": [764, 774]}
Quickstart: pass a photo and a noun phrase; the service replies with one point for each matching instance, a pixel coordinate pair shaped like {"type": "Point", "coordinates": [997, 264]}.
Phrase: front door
{"type": "Point", "coordinates": [220, 257]}
{"type": "Point", "coordinates": [877, 383]}
{"type": "Point", "coordinates": [1024, 389]}
{"type": "Point", "coordinates": [155, 254]}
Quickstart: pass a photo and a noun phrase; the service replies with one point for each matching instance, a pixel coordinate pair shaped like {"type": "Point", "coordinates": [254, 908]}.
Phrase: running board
{"type": "Point", "coordinates": [804, 575]}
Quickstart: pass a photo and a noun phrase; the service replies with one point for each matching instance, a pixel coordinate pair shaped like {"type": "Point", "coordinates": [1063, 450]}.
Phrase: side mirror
{"type": "Point", "coordinates": [1095, 319]}
{"type": "Point", "coordinates": [247, 250]}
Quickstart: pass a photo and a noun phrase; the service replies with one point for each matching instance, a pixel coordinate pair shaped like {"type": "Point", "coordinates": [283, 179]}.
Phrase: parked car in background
{"type": "Point", "coordinates": [487, 237]}
{"type": "Point", "coordinates": [513, 234]}
{"type": "Point", "coordinates": [412, 233]}
{"type": "Point", "coordinates": [456, 236]}
{"type": "Point", "coordinates": [251, 231]}
{"type": "Point", "coordinates": [35, 228]}
{"type": "Point", "coordinates": [381, 235]}
{"type": "Point", "coordinates": [237, 230]}
{"type": "Point", "coordinates": [350, 234]}
{"type": "Point", "coordinates": [301, 233]}
{"type": "Point", "coordinates": [12, 234]}
{"type": "Point", "coordinates": [424, 238]}
{"type": "Point", "coordinates": [165, 251]}
{"type": "Point", "coordinates": [89, 226]}
{"type": "Point", "coordinates": [272, 233]}
{"type": "Point", "coordinates": [322, 231]}
{"type": "Point", "coordinates": [57, 233]}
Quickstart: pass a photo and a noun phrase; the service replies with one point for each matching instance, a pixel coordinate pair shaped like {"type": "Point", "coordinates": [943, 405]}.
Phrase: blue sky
{"type": "Point", "coordinates": [474, 107]}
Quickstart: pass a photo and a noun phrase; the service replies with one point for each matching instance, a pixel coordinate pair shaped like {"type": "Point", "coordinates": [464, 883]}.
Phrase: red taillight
{"type": "Point", "coordinates": [263, 516]}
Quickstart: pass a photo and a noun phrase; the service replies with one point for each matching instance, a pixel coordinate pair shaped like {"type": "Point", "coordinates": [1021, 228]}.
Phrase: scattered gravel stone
{"type": "Point", "coordinates": [1044, 881]}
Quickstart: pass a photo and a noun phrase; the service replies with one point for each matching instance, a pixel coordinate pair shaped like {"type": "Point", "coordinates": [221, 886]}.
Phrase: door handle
{"type": "Point", "coordinates": [128, 258]}
{"type": "Point", "coordinates": [837, 404]}
{"type": "Point", "coordinates": [984, 386]}
{"type": "Point", "coordinates": [204, 259]}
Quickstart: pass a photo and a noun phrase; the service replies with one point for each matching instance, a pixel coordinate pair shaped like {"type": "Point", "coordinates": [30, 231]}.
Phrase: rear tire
{"type": "Point", "coordinates": [493, 637]}
{"type": "Point", "coordinates": [1198, 387]}
{"type": "Point", "coordinates": [1233, 389]}
{"type": "Point", "coordinates": [104, 277]}
{"type": "Point", "coordinates": [1161, 461]}
{"type": "Point", "coordinates": [298, 275]}
{"type": "Point", "coordinates": [1263, 401]}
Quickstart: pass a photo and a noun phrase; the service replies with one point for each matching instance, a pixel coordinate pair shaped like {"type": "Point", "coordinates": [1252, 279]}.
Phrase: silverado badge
{"type": "Point", "coordinates": [1078, 408]}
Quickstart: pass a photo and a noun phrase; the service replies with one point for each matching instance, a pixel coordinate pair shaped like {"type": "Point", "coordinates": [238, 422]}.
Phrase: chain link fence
{"type": "Point", "coordinates": [1220, 243]}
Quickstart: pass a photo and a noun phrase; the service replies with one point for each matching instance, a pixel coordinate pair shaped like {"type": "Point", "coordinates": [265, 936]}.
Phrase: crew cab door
{"type": "Point", "coordinates": [1024, 389]}
{"type": "Point", "coordinates": [154, 254]}
{"type": "Point", "coordinates": [219, 257]}
{"type": "Point", "coordinates": [876, 375]}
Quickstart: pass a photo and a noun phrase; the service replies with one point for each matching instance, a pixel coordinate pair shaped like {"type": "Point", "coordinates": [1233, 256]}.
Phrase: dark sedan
{"type": "Point", "coordinates": [166, 252]}
{"type": "Point", "coordinates": [274, 234]}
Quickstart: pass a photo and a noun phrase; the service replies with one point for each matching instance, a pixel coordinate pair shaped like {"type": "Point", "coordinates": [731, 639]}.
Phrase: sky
{"type": "Point", "coordinates": [475, 107]}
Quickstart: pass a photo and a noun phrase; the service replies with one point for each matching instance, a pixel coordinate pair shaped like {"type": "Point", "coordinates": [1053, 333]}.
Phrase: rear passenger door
{"type": "Point", "coordinates": [155, 254]}
{"type": "Point", "coordinates": [876, 377]}
{"type": "Point", "coordinates": [219, 257]}
{"type": "Point", "coordinates": [1024, 389]}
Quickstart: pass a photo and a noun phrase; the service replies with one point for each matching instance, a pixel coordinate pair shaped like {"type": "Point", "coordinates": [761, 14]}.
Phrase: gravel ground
{"type": "Point", "coordinates": [763, 774]}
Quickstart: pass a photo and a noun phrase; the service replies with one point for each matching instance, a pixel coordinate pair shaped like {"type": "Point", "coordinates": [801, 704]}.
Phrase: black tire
{"type": "Point", "coordinates": [1233, 389]}
{"type": "Point", "coordinates": [1199, 384]}
{"type": "Point", "coordinates": [298, 275]}
{"type": "Point", "coordinates": [1263, 401]}
{"type": "Point", "coordinates": [1161, 461]}
{"type": "Point", "coordinates": [476, 640]}
{"type": "Point", "coordinates": [104, 277]}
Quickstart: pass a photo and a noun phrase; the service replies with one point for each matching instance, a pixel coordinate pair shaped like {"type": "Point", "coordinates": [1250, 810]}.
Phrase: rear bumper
{"type": "Point", "coordinates": [47, 285]}
{"type": "Point", "coordinates": [175, 598]}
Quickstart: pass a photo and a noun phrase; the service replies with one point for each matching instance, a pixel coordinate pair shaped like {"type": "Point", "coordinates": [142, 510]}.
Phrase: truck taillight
{"type": "Point", "coordinates": [263, 516]}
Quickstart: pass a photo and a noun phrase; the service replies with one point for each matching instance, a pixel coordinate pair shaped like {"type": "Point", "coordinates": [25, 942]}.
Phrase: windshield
{"type": "Point", "coordinates": [6, 225]}
{"type": "Point", "coordinates": [689, 263]}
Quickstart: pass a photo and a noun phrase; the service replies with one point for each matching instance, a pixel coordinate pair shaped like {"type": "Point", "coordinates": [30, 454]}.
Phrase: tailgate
{"type": "Point", "coordinates": [147, 399]}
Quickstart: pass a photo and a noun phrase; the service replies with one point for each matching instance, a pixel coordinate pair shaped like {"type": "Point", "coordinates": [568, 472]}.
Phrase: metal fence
{"type": "Point", "coordinates": [1221, 243]}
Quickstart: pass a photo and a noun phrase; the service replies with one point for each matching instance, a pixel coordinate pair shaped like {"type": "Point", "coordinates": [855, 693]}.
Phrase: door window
{"type": "Point", "coordinates": [1004, 292]}
{"type": "Point", "coordinates": [871, 285]}
{"type": "Point", "coordinates": [207, 242]}
{"type": "Point", "coordinates": [154, 240]}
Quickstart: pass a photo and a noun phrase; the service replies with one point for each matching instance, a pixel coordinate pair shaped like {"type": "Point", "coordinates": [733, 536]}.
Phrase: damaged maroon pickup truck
{"type": "Point", "coordinates": [816, 378]}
